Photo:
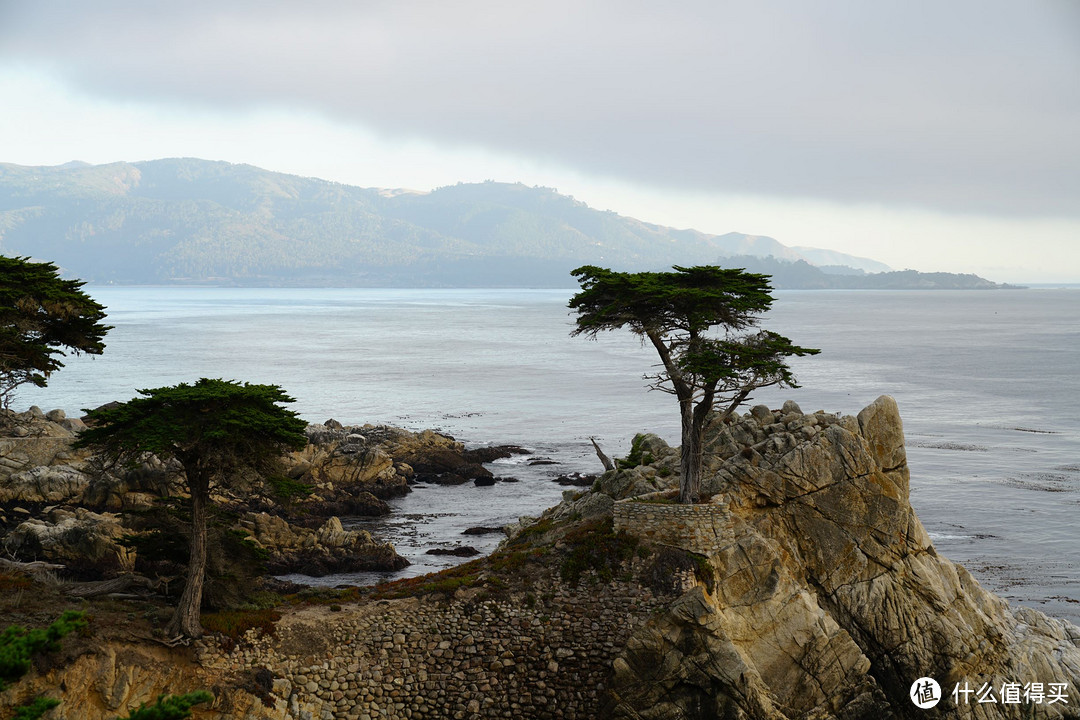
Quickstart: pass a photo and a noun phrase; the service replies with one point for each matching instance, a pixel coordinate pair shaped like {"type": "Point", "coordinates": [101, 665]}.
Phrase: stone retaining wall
{"type": "Point", "coordinates": [696, 528]}
{"type": "Point", "coordinates": [547, 654]}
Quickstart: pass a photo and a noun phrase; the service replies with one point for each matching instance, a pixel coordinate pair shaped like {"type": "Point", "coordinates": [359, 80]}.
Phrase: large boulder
{"type": "Point", "coordinates": [328, 549]}
{"type": "Point", "coordinates": [44, 484]}
{"type": "Point", "coordinates": [85, 541]}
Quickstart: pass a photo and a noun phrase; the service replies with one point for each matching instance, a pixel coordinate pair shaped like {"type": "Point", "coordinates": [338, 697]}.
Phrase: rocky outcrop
{"type": "Point", "coordinates": [329, 549]}
{"type": "Point", "coordinates": [342, 471]}
{"type": "Point", "coordinates": [806, 588]}
{"type": "Point", "coordinates": [84, 540]}
{"type": "Point", "coordinates": [825, 598]}
{"type": "Point", "coordinates": [37, 463]}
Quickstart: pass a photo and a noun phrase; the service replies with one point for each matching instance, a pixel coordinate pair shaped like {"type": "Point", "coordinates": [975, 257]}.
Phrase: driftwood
{"type": "Point", "coordinates": [37, 567]}
{"type": "Point", "coordinates": [117, 586]}
{"type": "Point", "coordinates": [608, 465]}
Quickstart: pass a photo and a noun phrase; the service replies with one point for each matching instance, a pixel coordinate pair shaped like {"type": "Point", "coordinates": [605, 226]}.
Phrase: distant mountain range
{"type": "Point", "coordinates": [200, 222]}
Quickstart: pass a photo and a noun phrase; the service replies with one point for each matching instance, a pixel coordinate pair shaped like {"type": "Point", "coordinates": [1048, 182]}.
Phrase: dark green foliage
{"type": "Point", "coordinates": [638, 455]}
{"type": "Point", "coordinates": [697, 320]}
{"type": "Point", "coordinates": [220, 431]}
{"type": "Point", "coordinates": [691, 300]}
{"type": "Point", "coordinates": [41, 317]}
{"type": "Point", "coordinates": [18, 645]}
{"type": "Point", "coordinates": [35, 709]}
{"type": "Point", "coordinates": [234, 562]}
{"type": "Point", "coordinates": [172, 707]}
{"type": "Point", "coordinates": [285, 489]}
{"type": "Point", "coordinates": [594, 545]}
{"type": "Point", "coordinates": [222, 426]}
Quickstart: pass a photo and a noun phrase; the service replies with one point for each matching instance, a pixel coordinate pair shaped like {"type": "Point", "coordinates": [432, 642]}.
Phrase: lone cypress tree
{"type": "Point", "coordinates": [41, 316]}
{"type": "Point", "coordinates": [216, 429]}
{"type": "Point", "coordinates": [697, 320]}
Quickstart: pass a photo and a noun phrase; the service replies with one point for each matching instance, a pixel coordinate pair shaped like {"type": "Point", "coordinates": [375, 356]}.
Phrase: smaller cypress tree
{"type": "Point", "coordinates": [41, 316]}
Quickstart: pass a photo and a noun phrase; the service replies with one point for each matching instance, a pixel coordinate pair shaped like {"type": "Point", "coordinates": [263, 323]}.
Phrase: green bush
{"type": "Point", "coordinates": [637, 456]}
{"type": "Point", "coordinates": [594, 545]}
{"type": "Point", "coordinates": [285, 489]}
{"type": "Point", "coordinates": [17, 644]}
{"type": "Point", "coordinates": [36, 709]}
{"type": "Point", "coordinates": [172, 707]}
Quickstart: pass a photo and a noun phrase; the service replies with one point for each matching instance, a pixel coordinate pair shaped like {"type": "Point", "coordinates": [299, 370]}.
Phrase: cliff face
{"type": "Point", "coordinates": [826, 598]}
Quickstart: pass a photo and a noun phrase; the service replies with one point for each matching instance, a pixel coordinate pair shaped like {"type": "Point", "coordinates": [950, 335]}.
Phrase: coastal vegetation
{"type": "Point", "coordinates": [217, 430]}
{"type": "Point", "coordinates": [42, 317]}
{"type": "Point", "coordinates": [696, 319]}
{"type": "Point", "coordinates": [18, 646]}
{"type": "Point", "coordinates": [170, 707]}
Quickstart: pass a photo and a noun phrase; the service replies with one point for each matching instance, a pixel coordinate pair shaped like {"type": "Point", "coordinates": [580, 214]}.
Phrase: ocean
{"type": "Point", "coordinates": [988, 384]}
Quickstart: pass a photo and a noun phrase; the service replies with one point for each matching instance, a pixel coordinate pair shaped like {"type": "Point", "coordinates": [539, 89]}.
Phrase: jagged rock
{"type": "Point", "coordinates": [319, 552]}
{"type": "Point", "coordinates": [323, 434]}
{"type": "Point", "coordinates": [44, 484]}
{"type": "Point", "coordinates": [790, 407]}
{"type": "Point", "coordinates": [482, 530]}
{"type": "Point", "coordinates": [576, 479]}
{"type": "Point", "coordinates": [55, 416]}
{"type": "Point", "coordinates": [494, 452]}
{"type": "Point", "coordinates": [74, 425]}
{"type": "Point", "coordinates": [827, 598]}
{"type": "Point", "coordinates": [325, 467]}
{"type": "Point", "coordinates": [83, 540]}
{"type": "Point", "coordinates": [762, 414]}
{"type": "Point", "coordinates": [621, 484]}
{"type": "Point", "coordinates": [459, 551]}
{"type": "Point", "coordinates": [36, 448]}
{"type": "Point", "coordinates": [582, 505]}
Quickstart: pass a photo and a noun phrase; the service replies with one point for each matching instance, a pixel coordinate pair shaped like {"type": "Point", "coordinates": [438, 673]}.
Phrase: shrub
{"type": "Point", "coordinates": [638, 455]}
{"type": "Point", "coordinates": [36, 709]}
{"type": "Point", "coordinates": [233, 624]}
{"type": "Point", "coordinates": [172, 707]}
{"type": "Point", "coordinates": [17, 644]}
{"type": "Point", "coordinates": [286, 490]}
{"type": "Point", "coordinates": [594, 545]}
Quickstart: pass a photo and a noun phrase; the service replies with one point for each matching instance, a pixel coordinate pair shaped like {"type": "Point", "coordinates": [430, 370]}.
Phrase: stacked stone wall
{"type": "Point", "coordinates": [546, 654]}
{"type": "Point", "coordinates": [697, 528]}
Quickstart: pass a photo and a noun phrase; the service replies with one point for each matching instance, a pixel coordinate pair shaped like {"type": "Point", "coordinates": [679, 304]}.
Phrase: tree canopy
{"type": "Point", "coordinates": [41, 316]}
{"type": "Point", "coordinates": [217, 430]}
{"type": "Point", "coordinates": [698, 320]}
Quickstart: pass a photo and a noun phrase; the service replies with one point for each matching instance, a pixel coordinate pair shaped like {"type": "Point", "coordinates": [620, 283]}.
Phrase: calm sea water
{"type": "Point", "coordinates": [987, 384]}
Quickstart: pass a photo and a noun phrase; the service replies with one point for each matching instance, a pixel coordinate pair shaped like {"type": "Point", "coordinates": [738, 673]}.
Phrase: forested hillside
{"type": "Point", "coordinates": [197, 221]}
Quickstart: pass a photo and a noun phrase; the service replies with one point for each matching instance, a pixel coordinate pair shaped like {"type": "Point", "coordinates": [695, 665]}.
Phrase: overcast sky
{"type": "Point", "coordinates": [926, 134]}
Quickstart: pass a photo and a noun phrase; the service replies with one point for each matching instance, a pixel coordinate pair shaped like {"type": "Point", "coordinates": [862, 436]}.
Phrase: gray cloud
{"type": "Point", "coordinates": [968, 106]}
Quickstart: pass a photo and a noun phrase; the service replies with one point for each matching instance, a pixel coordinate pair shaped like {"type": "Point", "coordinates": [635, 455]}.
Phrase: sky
{"type": "Point", "coordinates": [938, 136]}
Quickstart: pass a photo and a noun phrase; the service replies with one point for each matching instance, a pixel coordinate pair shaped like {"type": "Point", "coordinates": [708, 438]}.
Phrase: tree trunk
{"type": "Point", "coordinates": [604, 459]}
{"type": "Point", "coordinates": [185, 620]}
{"type": "Point", "coordinates": [690, 456]}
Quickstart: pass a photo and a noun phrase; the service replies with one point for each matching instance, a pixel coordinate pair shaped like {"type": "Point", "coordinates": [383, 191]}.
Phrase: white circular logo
{"type": "Point", "coordinates": [925, 692]}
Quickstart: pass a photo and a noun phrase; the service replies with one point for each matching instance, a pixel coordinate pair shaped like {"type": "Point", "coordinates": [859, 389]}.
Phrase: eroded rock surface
{"type": "Point", "coordinates": [827, 598]}
{"type": "Point", "coordinates": [328, 549]}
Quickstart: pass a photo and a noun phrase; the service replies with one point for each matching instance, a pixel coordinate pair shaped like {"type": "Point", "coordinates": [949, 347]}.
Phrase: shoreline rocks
{"type": "Point", "coordinates": [344, 470]}
{"type": "Point", "coordinates": [805, 589]}
{"type": "Point", "coordinates": [825, 597]}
